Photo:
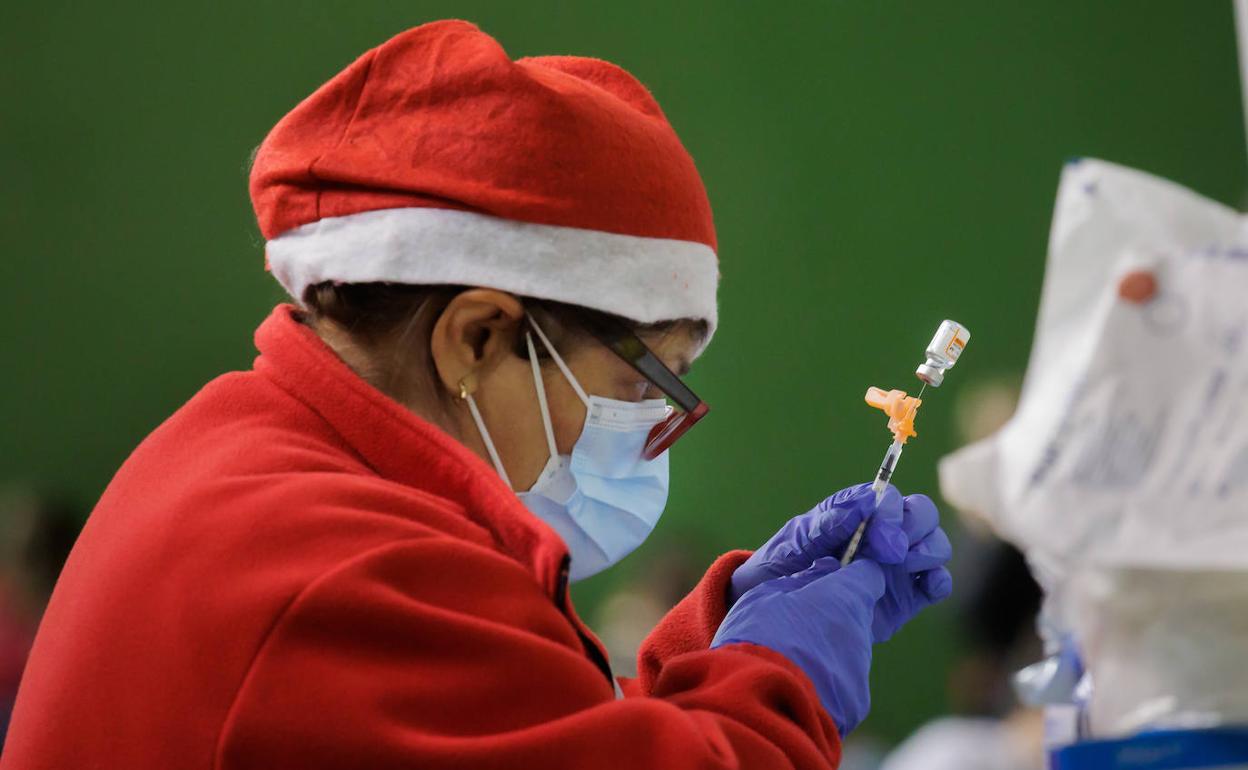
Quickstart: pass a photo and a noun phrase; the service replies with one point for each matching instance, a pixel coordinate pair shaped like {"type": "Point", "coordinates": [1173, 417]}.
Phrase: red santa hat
{"type": "Point", "coordinates": [436, 159]}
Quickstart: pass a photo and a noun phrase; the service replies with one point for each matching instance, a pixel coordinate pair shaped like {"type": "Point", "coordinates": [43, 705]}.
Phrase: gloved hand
{"type": "Point", "coordinates": [820, 619]}
{"type": "Point", "coordinates": [825, 531]}
{"type": "Point", "coordinates": [921, 579]}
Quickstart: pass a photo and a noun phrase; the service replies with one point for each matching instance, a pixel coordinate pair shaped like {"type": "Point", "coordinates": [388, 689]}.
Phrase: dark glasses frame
{"type": "Point", "coordinates": [629, 347]}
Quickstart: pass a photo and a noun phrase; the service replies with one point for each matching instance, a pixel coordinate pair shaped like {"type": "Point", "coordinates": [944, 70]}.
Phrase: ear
{"type": "Point", "coordinates": [476, 331]}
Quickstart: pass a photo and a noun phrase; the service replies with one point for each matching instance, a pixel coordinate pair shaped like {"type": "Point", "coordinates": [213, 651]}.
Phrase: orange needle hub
{"type": "Point", "coordinates": [900, 408]}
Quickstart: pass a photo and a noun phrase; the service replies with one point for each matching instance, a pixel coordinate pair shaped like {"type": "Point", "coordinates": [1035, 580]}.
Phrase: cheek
{"type": "Point", "coordinates": [567, 413]}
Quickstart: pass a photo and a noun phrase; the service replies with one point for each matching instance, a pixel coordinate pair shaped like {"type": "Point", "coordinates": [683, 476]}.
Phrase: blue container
{"type": "Point", "coordinates": [1223, 748]}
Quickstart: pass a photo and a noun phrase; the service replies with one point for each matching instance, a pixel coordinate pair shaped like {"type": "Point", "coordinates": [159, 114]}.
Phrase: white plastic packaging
{"type": "Point", "coordinates": [1169, 648]}
{"type": "Point", "coordinates": [1131, 412]}
{"type": "Point", "coordinates": [1124, 472]}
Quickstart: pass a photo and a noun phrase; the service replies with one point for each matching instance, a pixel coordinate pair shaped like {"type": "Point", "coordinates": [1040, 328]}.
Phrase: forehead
{"type": "Point", "coordinates": [677, 347]}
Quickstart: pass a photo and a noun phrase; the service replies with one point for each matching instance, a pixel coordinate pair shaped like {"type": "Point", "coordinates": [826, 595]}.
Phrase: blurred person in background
{"type": "Point", "coordinates": [627, 615]}
{"type": "Point", "coordinates": [36, 534]}
{"type": "Point", "coordinates": [358, 553]}
{"type": "Point", "coordinates": [989, 728]}
{"type": "Point", "coordinates": [997, 608]}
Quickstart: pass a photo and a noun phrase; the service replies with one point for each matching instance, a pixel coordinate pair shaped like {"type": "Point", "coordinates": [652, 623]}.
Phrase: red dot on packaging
{"type": "Point", "coordinates": [1138, 286]}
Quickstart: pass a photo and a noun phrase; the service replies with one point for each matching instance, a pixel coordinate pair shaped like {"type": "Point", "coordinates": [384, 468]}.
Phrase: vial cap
{"type": "Point", "coordinates": [932, 375]}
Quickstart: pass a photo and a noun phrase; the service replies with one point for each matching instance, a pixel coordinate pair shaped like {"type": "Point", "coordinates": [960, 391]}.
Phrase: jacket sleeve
{"type": "Point", "coordinates": [437, 653]}
{"type": "Point", "coordinates": [689, 626]}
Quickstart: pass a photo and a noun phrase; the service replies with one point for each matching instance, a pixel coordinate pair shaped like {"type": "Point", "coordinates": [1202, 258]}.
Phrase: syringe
{"type": "Point", "coordinates": [886, 469]}
{"type": "Point", "coordinates": [901, 410]}
{"type": "Point", "coordinates": [880, 484]}
{"type": "Point", "coordinates": [942, 353]}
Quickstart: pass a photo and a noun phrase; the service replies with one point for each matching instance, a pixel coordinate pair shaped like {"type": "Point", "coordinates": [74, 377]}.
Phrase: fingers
{"type": "Point", "coordinates": [823, 531]}
{"type": "Point", "coordinates": [936, 584]}
{"type": "Point", "coordinates": [835, 520]}
{"type": "Point", "coordinates": [933, 551]}
{"type": "Point", "coordinates": [843, 497]}
{"type": "Point", "coordinates": [891, 507]}
{"type": "Point", "coordinates": [821, 568]}
{"type": "Point", "coordinates": [864, 578]}
{"type": "Point", "coordinates": [885, 540]}
{"type": "Point", "coordinates": [884, 543]}
{"type": "Point", "coordinates": [783, 584]}
{"type": "Point", "coordinates": [930, 548]}
{"type": "Point", "coordinates": [919, 517]}
{"type": "Point", "coordinates": [899, 531]}
{"type": "Point", "coordinates": [865, 575]}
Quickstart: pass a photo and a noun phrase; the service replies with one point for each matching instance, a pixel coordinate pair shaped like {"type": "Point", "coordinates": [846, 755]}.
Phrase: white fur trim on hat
{"type": "Point", "coordinates": [643, 279]}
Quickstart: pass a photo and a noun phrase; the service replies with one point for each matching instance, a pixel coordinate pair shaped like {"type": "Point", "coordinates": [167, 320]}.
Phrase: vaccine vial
{"type": "Point", "coordinates": [943, 351]}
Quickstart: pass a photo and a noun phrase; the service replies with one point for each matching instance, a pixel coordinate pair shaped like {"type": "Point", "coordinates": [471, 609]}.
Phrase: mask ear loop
{"type": "Point", "coordinates": [559, 361]}
{"type": "Point", "coordinates": [485, 434]}
{"type": "Point", "coordinates": [540, 386]}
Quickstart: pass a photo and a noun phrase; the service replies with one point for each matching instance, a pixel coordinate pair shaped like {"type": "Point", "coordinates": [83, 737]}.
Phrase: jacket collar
{"type": "Point", "coordinates": [400, 446]}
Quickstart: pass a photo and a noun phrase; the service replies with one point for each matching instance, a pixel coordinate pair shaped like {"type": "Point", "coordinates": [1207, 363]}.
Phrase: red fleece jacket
{"type": "Point", "coordinates": [295, 572]}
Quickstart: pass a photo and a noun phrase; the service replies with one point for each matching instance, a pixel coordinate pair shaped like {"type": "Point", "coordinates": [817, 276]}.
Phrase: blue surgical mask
{"type": "Point", "coordinates": [604, 499]}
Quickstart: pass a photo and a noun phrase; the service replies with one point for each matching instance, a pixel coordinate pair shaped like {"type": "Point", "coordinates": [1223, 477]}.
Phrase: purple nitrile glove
{"type": "Point", "coordinates": [820, 619]}
{"type": "Point", "coordinates": [825, 531]}
{"type": "Point", "coordinates": [921, 579]}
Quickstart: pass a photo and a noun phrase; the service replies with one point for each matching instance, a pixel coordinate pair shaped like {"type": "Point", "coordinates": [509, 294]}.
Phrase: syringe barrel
{"type": "Point", "coordinates": [879, 486]}
{"type": "Point", "coordinates": [885, 473]}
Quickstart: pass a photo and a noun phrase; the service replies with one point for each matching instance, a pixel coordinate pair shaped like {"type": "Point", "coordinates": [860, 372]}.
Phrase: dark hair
{"type": "Point", "coordinates": [998, 609]}
{"type": "Point", "coordinates": [396, 320]}
{"type": "Point", "coordinates": [56, 529]}
{"type": "Point", "coordinates": [40, 529]}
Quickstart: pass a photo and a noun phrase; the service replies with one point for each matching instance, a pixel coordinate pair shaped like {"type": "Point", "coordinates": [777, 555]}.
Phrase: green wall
{"type": "Point", "coordinates": [874, 166]}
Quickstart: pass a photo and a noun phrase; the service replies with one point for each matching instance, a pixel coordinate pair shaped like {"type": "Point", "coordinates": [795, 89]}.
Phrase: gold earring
{"type": "Point", "coordinates": [467, 385]}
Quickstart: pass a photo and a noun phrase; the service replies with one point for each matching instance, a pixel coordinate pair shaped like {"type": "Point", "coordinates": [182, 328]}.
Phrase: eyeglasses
{"type": "Point", "coordinates": [621, 340]}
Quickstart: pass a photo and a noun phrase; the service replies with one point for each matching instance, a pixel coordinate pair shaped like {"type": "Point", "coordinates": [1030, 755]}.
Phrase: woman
{"type": "Point", "coordinates": [357, 554]}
